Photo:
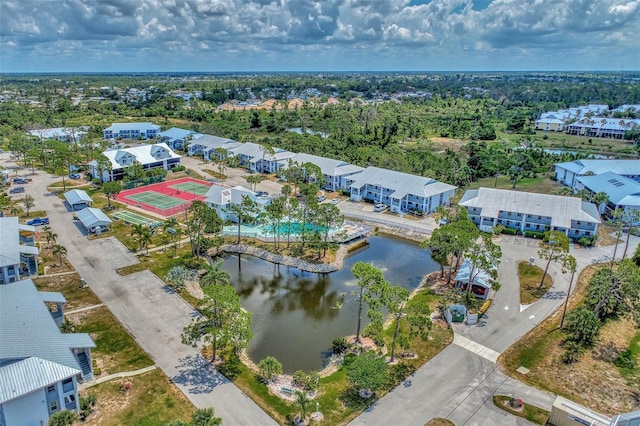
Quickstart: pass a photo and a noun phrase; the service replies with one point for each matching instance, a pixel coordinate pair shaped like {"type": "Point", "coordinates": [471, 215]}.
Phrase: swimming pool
{"type": "Point", "coordinates": [269, 231]}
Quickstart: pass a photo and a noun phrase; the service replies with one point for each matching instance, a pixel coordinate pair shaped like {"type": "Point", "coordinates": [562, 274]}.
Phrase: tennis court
{"type": "Point", "coordinates": [157, 200]}
{"type": "Point", "coordinates": [192, 187]}
{"type": "Point", "coordinates": [134, 218]}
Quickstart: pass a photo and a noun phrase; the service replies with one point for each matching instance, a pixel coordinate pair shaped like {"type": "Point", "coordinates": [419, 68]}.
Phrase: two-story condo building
{"type": "Point", "coordinates": [40, 367]}
{"type": "Point", "coordinates": [177, 138]}
{"type": "Point", "coordinates": [335, 172]}
{"type": "Point", "coordinates": [622, 193]}
{"type": "Point", "coordinates": [220, 198]}
{"type": "Point", "coordinates": [150, 156]}
{"type": "Point", "coordinates": [211, 147]}
{"type": "Point", "coordinates": [69, 134]}
{"type": "Point", "coordinates": [566, 173]}
{"type": "Point", "coordinates": [18, 254]}
{"type": "Point", "coordinates": [131, 131]}
{"type": "Point", "coordinates": [258, 159]}
{"type": "Point", "coordinates": [526, 211]}
{"type": "Point", "coordinates": [402, 192]}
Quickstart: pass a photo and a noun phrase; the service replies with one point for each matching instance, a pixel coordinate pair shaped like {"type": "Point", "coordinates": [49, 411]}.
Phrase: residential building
{"type": "Point", "coordinates": [40, 367]}
{"type": "Point", "coordinates": [603, 127]}
{"type": "Point", "coordinates": [220, 198]}
{"type": "Point", "coordinates": [177, 138]}
{"type": "Point", "coordinates": [131, 131]}
{"type": "Point", "coordinates": [206, 145]}
{"type": "Point", "coordinates": [335, 172]}
{"type": "Point", "coordinates": [566, 173]}
{"type": "Point", "coordinates": [623, 193]}
{"type": "Point", "coordinates": [18, 254]}
{"type": "Point", "coordinates": [525, 211]}
{"type": "Point", "coordinates": [64, 134]}
{"type": "Point", "coordinates": [258, 159]}
{"type": "Point", "coordinates": [150, 156]}
{"type": "Point", "coordinates": [402, 192]}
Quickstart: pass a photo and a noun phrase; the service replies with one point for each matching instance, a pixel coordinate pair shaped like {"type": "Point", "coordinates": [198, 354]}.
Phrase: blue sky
{"type": "Point", "coordinates": [313, 35]}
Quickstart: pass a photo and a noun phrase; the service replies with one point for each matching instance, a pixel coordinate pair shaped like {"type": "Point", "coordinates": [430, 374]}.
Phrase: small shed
{"type": "Point", "coordinates": [480, 284]}
{"type": "Point", "coordinates": [94, 220]}
{"type": "Point", "coordinates": [78, 199]}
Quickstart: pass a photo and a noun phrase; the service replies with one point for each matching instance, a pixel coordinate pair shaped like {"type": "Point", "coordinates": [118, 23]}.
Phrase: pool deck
{"type": "Point", "coordinates": [352, 231]}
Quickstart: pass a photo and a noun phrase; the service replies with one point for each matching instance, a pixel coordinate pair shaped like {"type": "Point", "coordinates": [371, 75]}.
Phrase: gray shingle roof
{"type": "Point", "coordinates": [30, 374]}
{"type": "Point", "coordinates": [28, 330]}
{"type": "Point", "coordinates": [401, 183]}
{"type": "Point", "coordinates": [562, 210]}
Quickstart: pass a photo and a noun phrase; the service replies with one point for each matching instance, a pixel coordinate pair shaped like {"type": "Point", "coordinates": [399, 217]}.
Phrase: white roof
{"type": "Point", "coordinates": [562, 210]}
{"type": "Point", "coordinates": [91, 217]}
{"type": "Point", "coordinates": [10, 249]}
{"type": "Point", "coordinates": [144, 154]}
{"type": "Point", "coordinates": [77, 196]}
{"type": "Point", "coordinates": [223, 195]}
{"type": "Point", "coordinates": [481, 278]}
{"type": "Point", "coordinates": [328, 166]}
{"type": "Point", "coordinates": [254, 150]}
{"type": "Point", "coordinates": [401, 183]}
{"type": "Point", "coordinates": [210, 142]}
{"type": "Point", "coordinates": [30, 374]}
{"type": "Point", "coordinates": [57, 133]}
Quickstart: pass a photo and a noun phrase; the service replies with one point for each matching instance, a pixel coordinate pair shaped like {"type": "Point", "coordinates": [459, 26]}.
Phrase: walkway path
{"type": "Point", "coordinates": [116, 376]}
{"type": "Point", "coordinates": [86, 308]}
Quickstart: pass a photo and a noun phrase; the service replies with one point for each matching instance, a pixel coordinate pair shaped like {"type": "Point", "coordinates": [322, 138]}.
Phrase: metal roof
{"type": "Point", "coordinates": [30, 374]}
{"type": "Point", "coordinates": [328, 166]}
{"type": "Point", "coordinates": [597, 167]}
{"type": "Point", "coordinates": [213, 142]}
{"type": "Point", "coordinates": [11, 248]}
{"type": "Point", "coordinates": [222, 195]}
{"type": "Point", "coordinates": [77, 196]}
{"type": "Point", "coordinates": [178, 133]}
{"type": "Point", "coordinates": [52, 297]}
{"type": "Point", "coordinates": [254, 150]}
{"type": "Point", "coordinates": [27, 328]}
{"type": "Point", "coordinates": [617, 188]}
{"type": "Point", "coordinates": [481, 277]}
{"type": "Point", "coordinates": [401, 183]}
{"type": "Point", "coordinates": [562, 210]}
{"type": "Point", "coordinates": [141, 127]}
{"type": "Point", "coordinates": [91, 217]}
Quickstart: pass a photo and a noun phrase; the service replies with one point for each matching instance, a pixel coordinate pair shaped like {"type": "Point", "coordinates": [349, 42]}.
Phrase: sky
{"type": "Point", "coordinates": [318, 35]}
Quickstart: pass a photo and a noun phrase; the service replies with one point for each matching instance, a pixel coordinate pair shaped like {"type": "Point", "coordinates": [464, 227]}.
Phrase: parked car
{"type": "Point", "coordinates": [335, 201]}
{"type": "Point", "coordinates": [20, 181]}
{"type": "Point", "coordinates": [380, 207]}
{"type": "Point", "coordinates": [38, 221]}
{"type": "Point", "coordinates": [321, 198]}
{"type": "Point", "coordinates": [262, 194]}
{"type": "Point", "coordinates": [16, 190]}
{"type": "Point", "coordinates": [74, 176]}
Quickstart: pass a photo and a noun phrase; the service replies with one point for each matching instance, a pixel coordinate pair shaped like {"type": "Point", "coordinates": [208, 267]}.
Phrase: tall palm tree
{"type": "Point", "coordinates": [138, 230]}
{"type": "Point", "coordinates": [60, 251]}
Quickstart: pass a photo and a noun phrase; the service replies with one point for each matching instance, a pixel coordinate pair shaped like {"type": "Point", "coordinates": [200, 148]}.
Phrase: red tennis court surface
{"type": "Point", "coordinates": [166, 198]}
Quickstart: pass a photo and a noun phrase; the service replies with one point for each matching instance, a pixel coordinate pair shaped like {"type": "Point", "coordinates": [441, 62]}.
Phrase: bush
{"type": "Point", "coordinates": [269, 368]}
{"type": "Point", "coordinates": [299, 378]}
{"type": "Point", "coordinates": [86, 406]}
{"type": "Point", "coordinates": [534, 234]}
{"type": "Point", "coordinates": [510, 231]}
{"type": "Point", "coordinates": [625, 360]}
{"type": "Point", "coordinates": [588, 241]}
{"type": "Point", "coordinates": [339, 345]}
{"type": "Point", "coordinates": [231, 367]}
{"type": "Point", "coordinates": [63, 418]}
{"type": "Point", "coordinates": [583, 326]}
{"type": "Point", "coordinates": [179, 168]}
{"type": "Point", "coordinates": [572, 352]}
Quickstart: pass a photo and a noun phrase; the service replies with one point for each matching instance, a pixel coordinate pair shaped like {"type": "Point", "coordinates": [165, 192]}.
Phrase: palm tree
{"type": "Point", "coordinates": [60, 251]}
{"type": "Point", "coordinates": [138, 229]}
{"type": "Point", "coordinates": [215, 276]}
{"type": "Point", "coordinates": [145, 239]}
{"type": "Point", "coordinates": [51, 236]}
{"type": "Point", "coordinates": [67, 326]}
{"type": "Point", "coordinates": [303, 400]}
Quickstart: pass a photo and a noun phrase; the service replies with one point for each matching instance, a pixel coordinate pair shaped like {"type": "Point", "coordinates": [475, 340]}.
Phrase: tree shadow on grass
{"type": "Point", "coordinates": [352, 400]}
{"type": "Point", "coordinates": [198, 375]}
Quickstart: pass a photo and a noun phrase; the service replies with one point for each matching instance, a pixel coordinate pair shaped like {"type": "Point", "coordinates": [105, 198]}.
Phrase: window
{"type": "Point", "coordinates": [69, 399]}
{"type": "Point", "coordinates": [53, 406]}
{"type": "Point", "coordinates": [51, 389]}
{"type": "Point", "coordinates": [578, 222]}
{"type": "Point", "coordinates": [67, 381]}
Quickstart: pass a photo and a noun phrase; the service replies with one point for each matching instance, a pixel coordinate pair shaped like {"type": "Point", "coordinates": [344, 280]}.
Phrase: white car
{"type": "Point", "coordinates": [380, 207]}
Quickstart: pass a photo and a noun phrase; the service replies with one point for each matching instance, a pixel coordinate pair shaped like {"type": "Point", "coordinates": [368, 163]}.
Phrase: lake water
{"type": "Point", "coordinates": [296, 314]}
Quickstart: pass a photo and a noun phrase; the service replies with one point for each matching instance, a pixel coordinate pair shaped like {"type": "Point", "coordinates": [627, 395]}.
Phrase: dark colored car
{"type": "Point", "coordinates": [74, 176]}
{"type": "Point", "coordinates": [20, 181]}
{"type": "Point", "coordinates": [38, 221]}
{"type": "Point", "coordinates": [16, 190]}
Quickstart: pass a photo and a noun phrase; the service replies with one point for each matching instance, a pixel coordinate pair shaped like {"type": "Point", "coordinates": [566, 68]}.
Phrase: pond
{"type": "Point", "coordinates": [296, 315]}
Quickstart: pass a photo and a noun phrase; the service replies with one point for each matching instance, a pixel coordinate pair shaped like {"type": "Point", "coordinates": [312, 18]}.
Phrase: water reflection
{"type": "Point", "coordinates": [297, 314]}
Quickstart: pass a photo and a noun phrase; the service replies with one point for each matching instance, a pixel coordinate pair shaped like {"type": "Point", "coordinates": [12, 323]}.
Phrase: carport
{"type": "Point", "coordinates": [78, 199]}
{"type": "Point", "coordinates": [93, 220]}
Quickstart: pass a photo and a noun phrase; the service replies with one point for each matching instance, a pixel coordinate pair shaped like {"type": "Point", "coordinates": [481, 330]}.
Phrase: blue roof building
{"type": "Point", "coordinates": [131, 131]}
{"type": "Point", "coordinates": [566, 173]}
{"type": "Point", "coordinates": [176, 138]}
{"type": "Point", "coordinates": [623, 193]}
{"type": "Point", "coordinates": [40, 367]}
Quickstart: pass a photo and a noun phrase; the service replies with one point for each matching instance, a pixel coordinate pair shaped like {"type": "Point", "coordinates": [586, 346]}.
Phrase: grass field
{"type": "Point", "coordinates": [193, 187]}
{"type": "Point", "coordinates": [156, 199]}
{"type": "Point", "coordinates": [530, 276]}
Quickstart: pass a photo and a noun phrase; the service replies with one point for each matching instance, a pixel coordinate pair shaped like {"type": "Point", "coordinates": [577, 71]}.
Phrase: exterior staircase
{"type": "Point", "coordinates": [87, 372]}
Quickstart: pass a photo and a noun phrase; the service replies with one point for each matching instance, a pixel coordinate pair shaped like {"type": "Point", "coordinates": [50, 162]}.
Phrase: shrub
{"type": "Point", "coordinates": [510, 231]}
{"type": "Point", "coordinates": [269, 368]}
{"type": "Point", "coordinates": [63, 418]}
{"type": "Point", "coordinates": [299, 378]}
{"type": "Point", "coordinates": [231, 367]}
{"type": "Point", "coordinates": [588, 241]}
{"type": "Point", "coordinates": [86, 406]}
{"type": "Point", "coordinates": [179, 168]}
{"type": "Point", "coordinates": [625, 360]}
{"type": "Point", "coordinates": [339, 345]}
{"type": "Point", "coordinates": [572, 352]}
{"type": "Point", "coordinates": [583, 326]}
{"type": "Point", "coordinates": [367, 371]}
{"type": "Point", "coordinates": [534, 234]}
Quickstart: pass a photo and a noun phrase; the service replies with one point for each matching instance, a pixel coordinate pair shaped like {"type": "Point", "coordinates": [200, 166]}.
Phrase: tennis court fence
{"type": "Point", "coordinates": [169, 211]}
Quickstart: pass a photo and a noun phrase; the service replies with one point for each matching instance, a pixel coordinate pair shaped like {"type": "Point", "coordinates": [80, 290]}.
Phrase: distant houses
{"type": "Point", "coordinates": [523, 211]}
{"type": "Point", "coordinates": [150, 156]}
{"type": "Point", "coordinates": [131, 131]}
{"type": "Point", "coordinates": [589, 120]}
{"type": "Point", "coordinates": [18, 254]}
{"type": "Point", "coordinates": [63, 134]}
{"type": "Point", "coordinates": [40, 367]}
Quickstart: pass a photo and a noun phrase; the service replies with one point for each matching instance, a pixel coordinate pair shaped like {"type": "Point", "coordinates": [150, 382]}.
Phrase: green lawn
{"type": "Point", "coordinates": [530, 277]}
{"type": "Point", "coordinates": [541, 184]}
{"type": "Point", "coordinates": [532, 413]}
{"type": "Point", "coordinates": [69, 286]}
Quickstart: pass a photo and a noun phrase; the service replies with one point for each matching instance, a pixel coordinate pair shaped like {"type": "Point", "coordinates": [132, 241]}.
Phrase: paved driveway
{"type": "Point", "coordinates": [152, 313]}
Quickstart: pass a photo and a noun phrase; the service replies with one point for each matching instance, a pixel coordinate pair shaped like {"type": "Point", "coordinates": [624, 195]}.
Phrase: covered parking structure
{"type": "Point", "coordinates": [78, 199]}
{"type": "Point", "coordinates": [95, 221]}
